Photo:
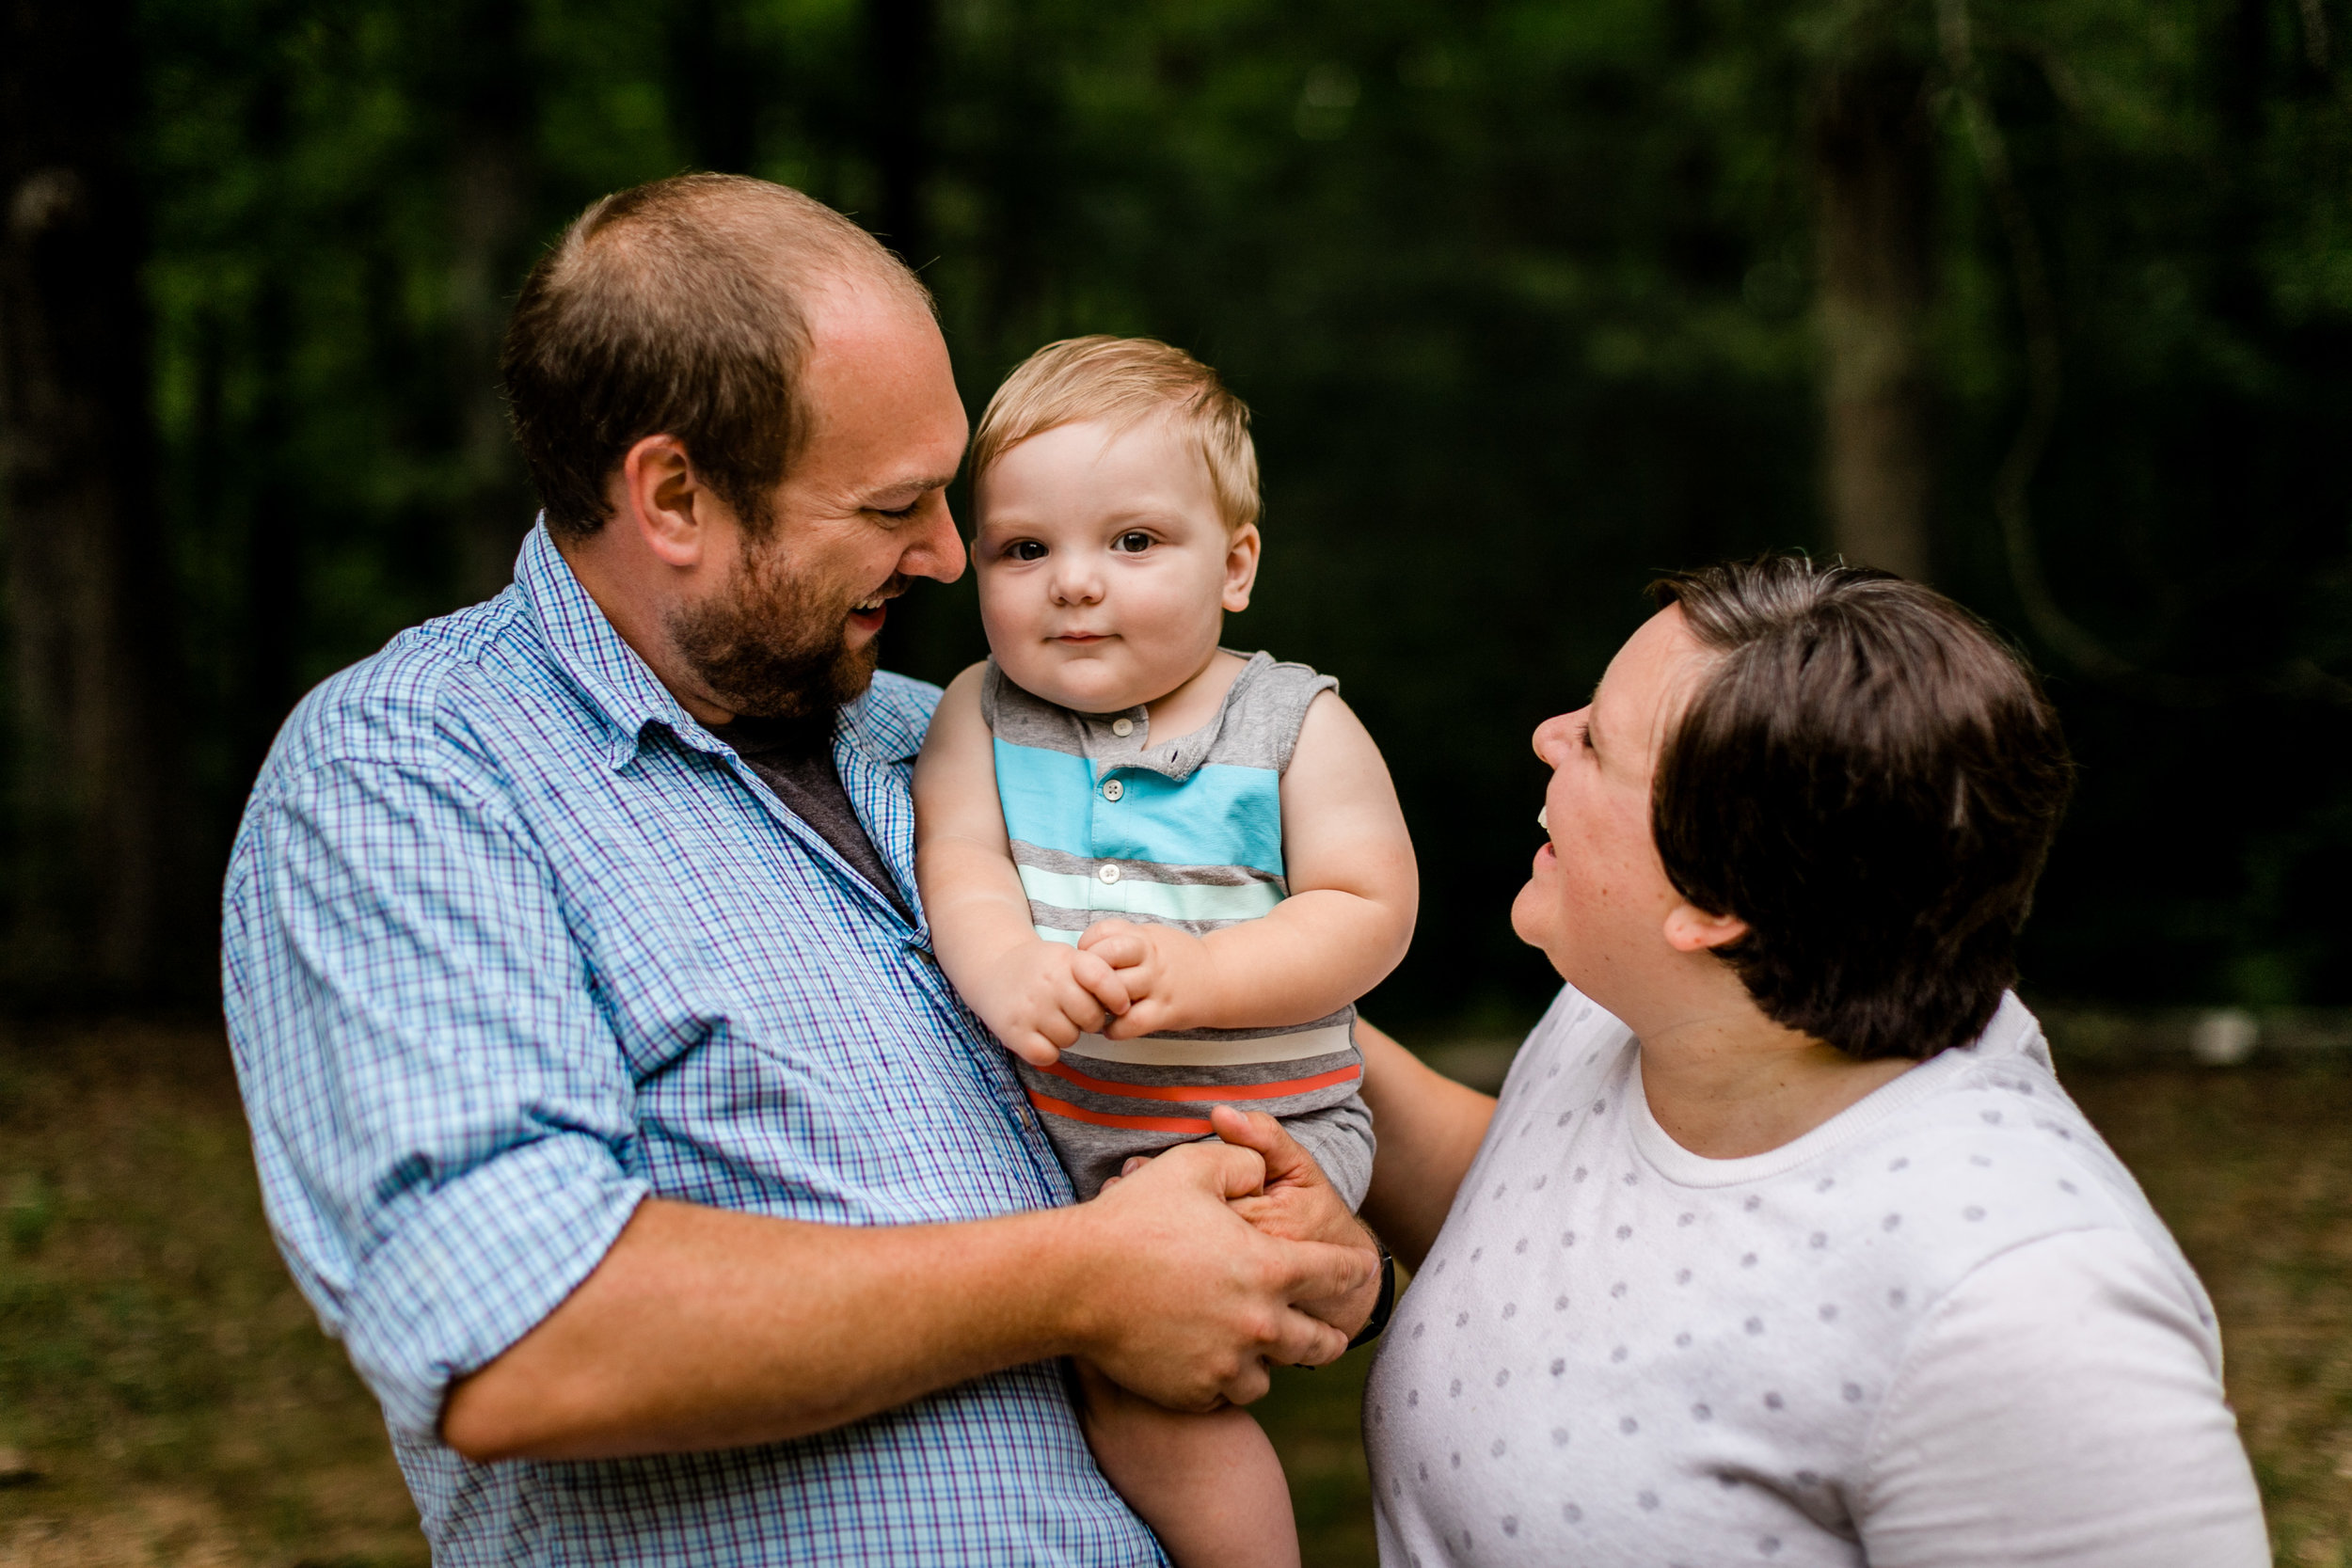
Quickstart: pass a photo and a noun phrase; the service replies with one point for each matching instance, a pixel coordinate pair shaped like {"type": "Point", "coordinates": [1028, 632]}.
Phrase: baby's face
{"type": "Point", "coordinates": [1105, 568]}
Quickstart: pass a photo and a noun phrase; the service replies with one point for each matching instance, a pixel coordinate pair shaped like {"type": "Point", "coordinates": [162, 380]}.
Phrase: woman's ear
{"type": "Point", "coordinates": [1692, 929]}
{"type": "Point", "coordinates": [1241, 567]}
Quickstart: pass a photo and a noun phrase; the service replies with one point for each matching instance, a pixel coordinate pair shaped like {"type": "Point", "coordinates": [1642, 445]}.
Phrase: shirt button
{"type": "Point", "coordinates": [1123, 728]}
{"type": "Point", "coordinates": [1108, 873]}
{"type": "Point", "coordinates": [1113, 789]}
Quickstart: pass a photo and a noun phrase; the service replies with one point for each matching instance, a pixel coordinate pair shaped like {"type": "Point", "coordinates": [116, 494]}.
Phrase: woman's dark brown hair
{"type": "Point", "coordinates": [1868, 778]}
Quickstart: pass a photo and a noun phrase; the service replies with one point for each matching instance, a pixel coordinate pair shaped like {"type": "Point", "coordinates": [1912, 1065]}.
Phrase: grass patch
{"type": "Point", "coordinates": [175, 1394]}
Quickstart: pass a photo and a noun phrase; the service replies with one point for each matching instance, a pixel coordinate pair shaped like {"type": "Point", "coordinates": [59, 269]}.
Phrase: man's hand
{"type": "Point", "coordinates": [1202, 1301]}
{"type": "Point", "coordinates": [1167, 979]}
{"type": "Point", "coordinates": [1040, 996]}
{"type": "Point", "coordinates": [1296, 1202]}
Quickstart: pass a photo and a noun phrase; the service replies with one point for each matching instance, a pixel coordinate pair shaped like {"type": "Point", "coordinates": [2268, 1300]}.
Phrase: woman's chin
{"type": "Point", "coordinates": [1524, 924]}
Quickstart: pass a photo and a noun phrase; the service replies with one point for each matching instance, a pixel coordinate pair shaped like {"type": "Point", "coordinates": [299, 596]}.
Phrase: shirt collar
{"type": "Point", "coordinates": [616, 682]}
{"type": "Point", "coordinates": [629, 697]}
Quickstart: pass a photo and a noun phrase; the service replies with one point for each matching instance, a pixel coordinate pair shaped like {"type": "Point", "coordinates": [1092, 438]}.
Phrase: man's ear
{"type": "Point", "coordinates": [662, 500]}
{"type": "Point", "coordinates": [1241, 566]}
{"type": "Point", "coordinates": [1692, 929]}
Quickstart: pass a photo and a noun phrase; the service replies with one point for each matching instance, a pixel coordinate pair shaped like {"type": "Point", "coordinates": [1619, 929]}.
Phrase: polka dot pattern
{"type": "Point", "coordinates": [1702, 1314]}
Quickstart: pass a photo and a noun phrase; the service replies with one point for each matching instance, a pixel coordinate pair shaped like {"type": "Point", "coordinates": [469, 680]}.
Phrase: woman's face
{"type": "Point", "coordinates": [1598, 902]}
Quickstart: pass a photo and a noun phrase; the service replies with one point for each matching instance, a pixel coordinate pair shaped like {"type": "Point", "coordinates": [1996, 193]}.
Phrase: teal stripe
{"type": "Point", "coordinates": [1221, 816]}
{"type": "Point", "coordinates": [1134, 895]}
{"type": "Point", "coordinates": [1071, 938]}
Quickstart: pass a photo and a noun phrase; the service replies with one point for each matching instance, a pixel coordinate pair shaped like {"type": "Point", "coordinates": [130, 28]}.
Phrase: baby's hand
{"type": "Point", "coordinates": [1167, 978]}
{"type": "Point", "coordinates": [1042, 995]}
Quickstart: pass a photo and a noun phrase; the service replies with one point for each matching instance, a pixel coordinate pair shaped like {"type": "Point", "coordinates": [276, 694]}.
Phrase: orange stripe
{"type": "Point", "coordinates": [1053, 1107]}
{"type": "Point", "coordinates": [1216, 1094]}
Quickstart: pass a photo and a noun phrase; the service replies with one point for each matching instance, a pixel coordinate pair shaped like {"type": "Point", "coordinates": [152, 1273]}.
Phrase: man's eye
{"type": "Point", "coordinates": [1135, 542]}
{"type": "Point", "coordinates": [1025, 549]}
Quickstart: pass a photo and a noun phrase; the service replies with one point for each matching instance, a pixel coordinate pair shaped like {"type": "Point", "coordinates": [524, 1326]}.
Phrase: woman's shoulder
{"type": "Point", "coordinates": [1997, 1156]}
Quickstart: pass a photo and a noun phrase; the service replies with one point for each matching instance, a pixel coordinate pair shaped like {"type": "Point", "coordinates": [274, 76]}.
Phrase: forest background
{"type": "Point", "coordinates": [2047, 303]}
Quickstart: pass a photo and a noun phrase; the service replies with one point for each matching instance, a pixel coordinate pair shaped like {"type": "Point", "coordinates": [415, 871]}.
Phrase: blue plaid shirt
{"type": "Point", "coordinates": [510, 943]}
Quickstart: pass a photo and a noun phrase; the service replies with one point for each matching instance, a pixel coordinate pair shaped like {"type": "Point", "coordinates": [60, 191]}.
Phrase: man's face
{"type": "Point", "coordinates": [1598, 900]}
{"type": "Point", "coordinates": [863, 511]}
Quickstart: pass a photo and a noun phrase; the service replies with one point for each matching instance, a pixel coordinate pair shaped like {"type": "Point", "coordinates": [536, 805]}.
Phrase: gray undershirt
{"type": "Point", "coordinates": [794, 759]}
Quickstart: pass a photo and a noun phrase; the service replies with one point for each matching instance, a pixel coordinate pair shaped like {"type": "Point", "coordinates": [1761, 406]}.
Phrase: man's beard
{"type": "Point", "coordinates": [771, 645]}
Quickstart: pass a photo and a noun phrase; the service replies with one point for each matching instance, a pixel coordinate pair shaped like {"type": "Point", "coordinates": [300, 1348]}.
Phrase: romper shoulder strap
{"type": "Point", "coordinates": [1265, 711]}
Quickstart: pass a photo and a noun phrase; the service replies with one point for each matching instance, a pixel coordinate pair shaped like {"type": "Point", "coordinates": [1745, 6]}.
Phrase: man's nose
{"type": "Point", "coordinates": [937, 551]}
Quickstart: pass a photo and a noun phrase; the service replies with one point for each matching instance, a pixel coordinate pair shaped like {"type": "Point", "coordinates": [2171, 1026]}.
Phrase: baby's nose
{"type": "Point", "coordinates": [1076, 585]}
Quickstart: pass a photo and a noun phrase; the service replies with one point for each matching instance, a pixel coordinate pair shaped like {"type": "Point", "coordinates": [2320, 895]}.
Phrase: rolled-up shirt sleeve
{"type": "Point", "coordinates": [441, 1116]}
{"type": "Point", "coordinates": [2062, 1408]}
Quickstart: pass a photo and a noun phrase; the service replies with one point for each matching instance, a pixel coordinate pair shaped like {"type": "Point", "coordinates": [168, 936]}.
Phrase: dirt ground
{"type": "Point", "coordinates": [166, 1396]}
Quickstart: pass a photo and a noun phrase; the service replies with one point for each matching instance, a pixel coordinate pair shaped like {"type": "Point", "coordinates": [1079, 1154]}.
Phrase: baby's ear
{"type": "Point", "coordinates": [1241, 567]}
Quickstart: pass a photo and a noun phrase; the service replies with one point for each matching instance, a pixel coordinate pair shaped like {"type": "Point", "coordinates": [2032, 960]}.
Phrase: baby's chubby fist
{"type": "Point", "coordinates": [1040, 996]}
{"type": "Point", "coordinates": [1167, 978]}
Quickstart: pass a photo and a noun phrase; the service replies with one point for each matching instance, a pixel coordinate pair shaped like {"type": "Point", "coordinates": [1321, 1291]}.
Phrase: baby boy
{"type": "Point", "coordinates": [1162, 872]}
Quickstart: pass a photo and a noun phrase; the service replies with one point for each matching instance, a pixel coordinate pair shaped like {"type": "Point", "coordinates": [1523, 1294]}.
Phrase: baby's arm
{"type": "Point", "coordinates": [1037, 995]}
{"type": "Point", "coordinates": [1354, 890]}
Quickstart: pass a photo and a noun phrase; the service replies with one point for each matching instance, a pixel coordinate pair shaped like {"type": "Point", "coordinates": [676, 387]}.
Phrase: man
{"type": "Point", "coordinates": [608, 1102]}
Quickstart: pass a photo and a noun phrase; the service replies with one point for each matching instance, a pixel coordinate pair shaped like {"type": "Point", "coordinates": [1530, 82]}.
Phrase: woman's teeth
{"type": "Point", "coordinates": [1543, 818]}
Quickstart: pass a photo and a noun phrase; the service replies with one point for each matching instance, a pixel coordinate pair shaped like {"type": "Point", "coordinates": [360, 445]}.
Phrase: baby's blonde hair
{"type": "Point", "coordinates": [1122, 382]}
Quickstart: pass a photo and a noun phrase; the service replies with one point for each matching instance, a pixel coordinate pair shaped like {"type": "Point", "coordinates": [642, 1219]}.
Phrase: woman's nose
{"type": "Point", "coordinates": [1551, 738]}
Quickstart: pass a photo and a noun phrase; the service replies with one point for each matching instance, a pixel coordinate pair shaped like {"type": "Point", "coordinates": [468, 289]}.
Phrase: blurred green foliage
{"type": "Point", "coordinates": [1521, 294]}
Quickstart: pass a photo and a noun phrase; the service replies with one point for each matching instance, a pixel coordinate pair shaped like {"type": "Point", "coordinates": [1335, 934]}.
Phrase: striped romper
{"type": "Point", "coordinates": [1105, 826]}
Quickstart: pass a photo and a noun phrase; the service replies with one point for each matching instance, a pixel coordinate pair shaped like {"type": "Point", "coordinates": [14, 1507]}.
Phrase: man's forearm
{"type": "Point", "coordinates": [700, 1329]}
{"type": "Point", "coordinates": [703, 1328]}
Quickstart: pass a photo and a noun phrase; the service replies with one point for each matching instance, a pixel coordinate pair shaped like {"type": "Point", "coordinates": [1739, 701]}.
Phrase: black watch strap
{"type": "Point", "coordinates": [1381, 1309]}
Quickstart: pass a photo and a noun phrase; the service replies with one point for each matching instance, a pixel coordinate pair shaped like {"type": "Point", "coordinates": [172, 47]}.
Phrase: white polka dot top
{"type": "Point", "coordinates": [1944, 1327]}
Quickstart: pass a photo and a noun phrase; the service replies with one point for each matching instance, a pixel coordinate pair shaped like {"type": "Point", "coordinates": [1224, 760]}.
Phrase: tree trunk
{"type": "Point", "coordinates": [492, 189]}
{"type": "Point", "coordinates": [901, 56]}
{"type": "Point", "coordinates": [96, 775]}
{"type": "Point", "coordinates": [901, 42]}
{"type": "Point", "coordinates": [1875, 168]}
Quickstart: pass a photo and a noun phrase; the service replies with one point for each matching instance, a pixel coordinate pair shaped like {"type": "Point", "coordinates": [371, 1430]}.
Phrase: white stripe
{"type": "Point", "coordinates": [1137, 896]}
{"type": "Point", "coordinates": [1152, 1050]}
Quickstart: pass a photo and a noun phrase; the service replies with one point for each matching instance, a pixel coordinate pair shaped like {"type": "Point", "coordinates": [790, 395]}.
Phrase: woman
{"type": "Point", "coordinates": [1784, 1244]}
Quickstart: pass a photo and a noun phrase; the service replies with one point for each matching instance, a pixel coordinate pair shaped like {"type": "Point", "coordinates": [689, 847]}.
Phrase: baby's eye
{"type": "Point", "coordinates": [1135, 542]}
{"type": "Point", "coordinates": [1025, 549]}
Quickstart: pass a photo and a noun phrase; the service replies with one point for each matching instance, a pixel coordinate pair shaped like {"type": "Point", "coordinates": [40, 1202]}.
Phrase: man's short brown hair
{"type": "Point", "coordinates": [1122, 382]}
{"type": "Point", "coordinates": [676, 307]}
{"type": "Point", "coordinates": [1870, 779]}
